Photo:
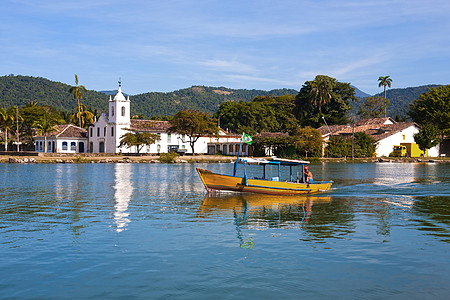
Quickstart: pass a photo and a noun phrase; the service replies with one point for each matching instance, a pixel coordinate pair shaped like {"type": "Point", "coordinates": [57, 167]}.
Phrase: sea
{"type": "Point", "coordinates": [151, 231]}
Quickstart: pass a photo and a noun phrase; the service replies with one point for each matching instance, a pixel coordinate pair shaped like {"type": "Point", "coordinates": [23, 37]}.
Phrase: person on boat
{"type": "Point", "coordinates": [308, 175]}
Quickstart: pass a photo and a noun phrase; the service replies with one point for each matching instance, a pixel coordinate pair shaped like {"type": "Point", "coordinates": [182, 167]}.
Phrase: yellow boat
{"type": "Point", "coordinates": [218, 182]}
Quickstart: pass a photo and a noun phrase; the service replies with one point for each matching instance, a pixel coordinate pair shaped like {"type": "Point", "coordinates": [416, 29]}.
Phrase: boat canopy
{"type": "Point", "coordinates": [274, 161]}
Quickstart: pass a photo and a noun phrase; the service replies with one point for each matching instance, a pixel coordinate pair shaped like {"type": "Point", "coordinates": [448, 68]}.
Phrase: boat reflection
{"type": "Point", "coordinates": [262, 210]}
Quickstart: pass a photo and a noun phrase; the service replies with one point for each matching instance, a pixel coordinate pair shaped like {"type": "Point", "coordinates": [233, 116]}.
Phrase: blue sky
{"type": "Point", "coordinates": [161, 46]}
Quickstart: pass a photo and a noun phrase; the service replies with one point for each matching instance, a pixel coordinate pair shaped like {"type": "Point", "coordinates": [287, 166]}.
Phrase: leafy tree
{"type": "Point", "coordinates": [261, 114]}
{"type": "Point", "coordinates": [309, 112]}
{"type": "Point", "coordinates": [433, 107]}
{"type": "Point", "coordinates": [384, 81]}
{"type": "Point", "coordinates": [77, 94]}
{"type": "Point", "coordinates": [45, 125]}
{"type": "Point", "coordinates": [341, 146]}
{"type": "Point", "coordinates": [372, 107]}
{"type": "Point", "coordinates": [427, 137]}
{"type": "Point", "coordinates": [6, 123]}
{"type": "Point", "coordinates": [302, 143]}
{"type": "Point", "coordinates": [193, 124]}
{"type": "Point", "coordinates": [138, 140]}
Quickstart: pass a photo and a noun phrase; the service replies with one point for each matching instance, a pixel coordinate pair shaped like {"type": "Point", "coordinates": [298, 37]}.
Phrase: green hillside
{"type": "Point", "coordinates": [18, 90]}
{"type": "Point", "coordinates": [399, 99]}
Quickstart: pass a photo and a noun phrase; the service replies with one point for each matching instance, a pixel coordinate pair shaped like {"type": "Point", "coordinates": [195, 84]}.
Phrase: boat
{"type": "Point", "coordinates": [262, 185]}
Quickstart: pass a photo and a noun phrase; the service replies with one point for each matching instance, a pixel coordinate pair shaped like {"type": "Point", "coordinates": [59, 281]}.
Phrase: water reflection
{"type": "Point", "coordinates": [123, 189]}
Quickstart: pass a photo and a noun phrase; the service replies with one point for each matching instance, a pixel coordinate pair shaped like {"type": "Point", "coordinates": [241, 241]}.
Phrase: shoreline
{"type": "Point", "coordinates": [50, 158]}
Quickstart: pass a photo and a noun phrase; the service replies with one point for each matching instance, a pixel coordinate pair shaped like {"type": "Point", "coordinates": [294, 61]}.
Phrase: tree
{"type": "Point", "coordinates": [309, 112]}
{"type": "Point", "coordinates": [384, 81]}
{"type": "Point", "coordinates": [320, 93]}
{"type": "Point", "coordinates": [372, 107]}
{"type": "Point", "coordinates": [427, 137]}
{"type": "Point", "coordinates": [6, 123]}
{"type": "Point", "coordinates": [83, 115]}
{"type": "Point", "coordinates": [45, 125]}
{"type": "Point", "coordinates": [433, 107]}
{"type": "Point", "coordinates": [76, 91]}
{"type": "Point", "coordinates": [138, 139]}
{"type": "Point", "coordinates": [193, 124]}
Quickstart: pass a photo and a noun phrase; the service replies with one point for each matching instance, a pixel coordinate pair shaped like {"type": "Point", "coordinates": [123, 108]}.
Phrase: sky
{"type": "Point", "coordinates": [162, 46]}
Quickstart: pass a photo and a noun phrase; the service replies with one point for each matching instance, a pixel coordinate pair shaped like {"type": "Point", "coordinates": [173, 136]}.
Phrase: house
{"type": "Point", "coordinates": [63, 139]}
{"type": "Point", "coordinates": [385, 131]}
{"type": "Point", "coordinates": [104, 134]}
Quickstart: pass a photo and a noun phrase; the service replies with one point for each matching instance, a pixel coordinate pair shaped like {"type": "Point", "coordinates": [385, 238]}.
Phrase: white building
{"type": "Point", "coordinates": [385, 131]}
{"type": "Point", "coordinates": [106, 132]}
{"type": "Point", "coordinates": [64, 139]}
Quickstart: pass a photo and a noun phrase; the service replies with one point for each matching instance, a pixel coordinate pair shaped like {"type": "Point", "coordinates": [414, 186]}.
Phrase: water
{"type": "Point", "coordinates": [140, 231]}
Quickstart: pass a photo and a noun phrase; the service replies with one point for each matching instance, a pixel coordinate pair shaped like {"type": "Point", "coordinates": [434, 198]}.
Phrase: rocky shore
{"type": "Point", "coordinates": [52, 158]}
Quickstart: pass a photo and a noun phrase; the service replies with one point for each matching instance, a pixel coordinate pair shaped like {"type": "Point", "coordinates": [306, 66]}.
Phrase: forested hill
{"type": "Point", "coordinates": [203, 98]}
{"type": "Point", "coordinates": [18, 90]}
{"type": "Point", "coordinates": [400, 99]}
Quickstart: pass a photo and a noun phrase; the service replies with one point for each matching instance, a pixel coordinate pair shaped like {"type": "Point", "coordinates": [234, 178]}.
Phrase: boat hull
{"type": "Point", "coordinates": [217, 182]}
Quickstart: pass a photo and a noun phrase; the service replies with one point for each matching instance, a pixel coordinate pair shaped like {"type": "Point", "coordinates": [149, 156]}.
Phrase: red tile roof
{"type": "Point", "coordinates": [376, 128]}
{"type": "Point", "coordinates": [149, 126]}
{"type": "Point", "coordinates": [67, 131]}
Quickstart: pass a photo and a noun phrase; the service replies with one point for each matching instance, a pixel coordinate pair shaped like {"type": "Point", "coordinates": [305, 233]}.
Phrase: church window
{"type": "Point", "coordinates": [123, 111]}
{"type": "Point", "coordinates": [98, 131]}
{"type": "Point", "coordinates": [112, 111]}
{"type": "Point", "coordinates": [91, 135]}
{"type": "Point", "coordinates": [112, 131]}
{"type": "Point", "coordinates": [104, 131]}
{"type": "Point", "coordinates": [64, 146]}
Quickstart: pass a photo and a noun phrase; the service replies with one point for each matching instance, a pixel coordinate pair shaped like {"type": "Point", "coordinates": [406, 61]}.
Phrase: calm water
{"type": "Point", "coordinates": [141, 231]}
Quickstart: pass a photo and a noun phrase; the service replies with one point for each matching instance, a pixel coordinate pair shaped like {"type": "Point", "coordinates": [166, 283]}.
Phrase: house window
{"type": "Point", "coordinates": [123, 111]}
{"type": "Point", "coordinates": [98, 131]}
{"type": "Point", "coordinates": [404, 137]}
{"type": "Point", "coordinates": [236, 147]}
{"type": "Point", "coordinates": [169, 138]}
{"type": "Point", "coordinates": [112, 111]}
{"type": "Point", "coordinates": [49, 147]}
{"type": "Point", "coordinates": [230, 148]}
{"type": "Point", "coordinates": [112, 131]}
{"type": "Point", "coordinates": [73, 146]}
{"type": "Point", "coordinates": [64, 146]}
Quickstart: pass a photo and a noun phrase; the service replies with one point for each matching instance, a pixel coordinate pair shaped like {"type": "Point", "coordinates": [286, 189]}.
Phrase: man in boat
{"type": "Point", "coordinates": [308, 175]}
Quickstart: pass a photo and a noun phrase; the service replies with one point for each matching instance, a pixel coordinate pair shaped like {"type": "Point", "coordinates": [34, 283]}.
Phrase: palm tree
{"type": "Point", "coordinates": [385, 81]}
{"type": "Point", "coordinates": [45, 125]}
{"type": "Point", "coordinates": [83, 115]}
{"type": "Point", "coordinates": [320, 93]}
{"type": "Point", "coordinates": [76, 91]}
{"type": "Point", "coordinates": [6, 123]}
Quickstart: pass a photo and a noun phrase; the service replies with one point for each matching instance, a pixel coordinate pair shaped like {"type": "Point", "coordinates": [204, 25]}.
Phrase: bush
{"type": "Point", "coordinates": [168, 158]}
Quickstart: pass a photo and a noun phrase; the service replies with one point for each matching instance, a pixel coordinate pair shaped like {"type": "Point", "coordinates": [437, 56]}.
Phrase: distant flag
{"type": "Point", "coordinates": [247, 139]}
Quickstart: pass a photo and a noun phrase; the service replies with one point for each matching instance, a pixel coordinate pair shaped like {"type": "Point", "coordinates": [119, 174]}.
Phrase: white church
{"type": "Point", "coordinates": [104, 135]}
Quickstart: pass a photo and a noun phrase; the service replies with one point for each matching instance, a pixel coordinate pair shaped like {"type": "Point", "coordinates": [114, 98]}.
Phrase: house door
{"type": "Point", "coordinates": [101, 147]}
{"type": "Point", "coordinates": [81, 147]}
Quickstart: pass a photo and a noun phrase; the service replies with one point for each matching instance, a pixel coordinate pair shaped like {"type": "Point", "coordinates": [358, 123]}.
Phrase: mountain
{"type": "Point", "coordinates": [18, 90]}
{"type": "Point", "coordinates": [359, 93]}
